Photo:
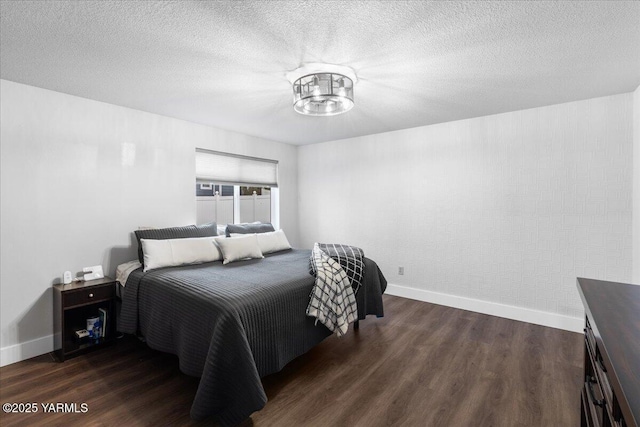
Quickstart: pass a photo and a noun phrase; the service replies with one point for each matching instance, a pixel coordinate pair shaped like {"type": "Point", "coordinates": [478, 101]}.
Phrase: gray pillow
{"type": "Point", "coordinates": [204, 230]}
{"type": "Point", "coordinates": [249, 228]}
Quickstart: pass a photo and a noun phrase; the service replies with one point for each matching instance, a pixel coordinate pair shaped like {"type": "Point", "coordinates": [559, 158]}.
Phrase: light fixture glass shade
{"type": "Point", "coordinates": [323, 94]}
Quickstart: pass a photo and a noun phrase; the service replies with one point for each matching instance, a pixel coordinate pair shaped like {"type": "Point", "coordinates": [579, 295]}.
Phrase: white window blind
{"type": "Point", "coordinates": [225, 168]}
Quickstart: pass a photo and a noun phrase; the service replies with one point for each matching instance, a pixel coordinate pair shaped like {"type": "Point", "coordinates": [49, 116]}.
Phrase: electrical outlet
{"type": "Point", "coordinates": [401, 271]}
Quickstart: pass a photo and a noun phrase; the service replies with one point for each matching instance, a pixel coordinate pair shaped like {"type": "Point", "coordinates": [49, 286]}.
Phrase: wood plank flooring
{"type": "Point", "coordinates": [420, 365]}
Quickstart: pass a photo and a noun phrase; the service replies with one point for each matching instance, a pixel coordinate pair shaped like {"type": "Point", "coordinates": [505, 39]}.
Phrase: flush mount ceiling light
{"type": "Point", "coordinates": [322, 89]}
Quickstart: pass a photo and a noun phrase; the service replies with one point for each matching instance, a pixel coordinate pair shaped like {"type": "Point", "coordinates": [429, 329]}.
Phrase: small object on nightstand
{"type": "Point", "coordinates": [103, 321]}
{"type": "Point", "coordinates": [66, 278]}
{"type": "Point", "coordinates": [93, 273]}
{"type": "Point", "coordinates": [82, 333]}
{"type": "Point", "coordinates": [92, 323]}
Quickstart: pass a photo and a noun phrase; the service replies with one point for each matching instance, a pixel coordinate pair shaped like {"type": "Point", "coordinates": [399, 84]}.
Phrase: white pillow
{"type": "Point", "coordinates": [174, 252]}
{"type": "Point", "coordinates": [237, 248]}
{"type": "Point", "coordinates": [273, 241]}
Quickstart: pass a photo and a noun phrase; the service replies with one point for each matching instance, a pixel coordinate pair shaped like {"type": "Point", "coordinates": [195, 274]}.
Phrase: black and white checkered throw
{"type": "Point", "coordinates": [339, 270]}
{"type": "Point", "coordinates": [350, 258]}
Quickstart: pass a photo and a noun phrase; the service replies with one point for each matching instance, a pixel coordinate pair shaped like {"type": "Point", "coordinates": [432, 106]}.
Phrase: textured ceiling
{"type": "Point", "coordinates": [224, 63]}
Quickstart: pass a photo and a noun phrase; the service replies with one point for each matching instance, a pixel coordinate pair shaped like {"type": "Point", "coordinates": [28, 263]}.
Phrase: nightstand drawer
{"type": "Point", "coordinates": [89, 295]}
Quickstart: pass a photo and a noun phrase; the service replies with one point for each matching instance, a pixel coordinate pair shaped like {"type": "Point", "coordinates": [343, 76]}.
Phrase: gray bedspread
{"type": "Point", "coordinates": [232, 324]}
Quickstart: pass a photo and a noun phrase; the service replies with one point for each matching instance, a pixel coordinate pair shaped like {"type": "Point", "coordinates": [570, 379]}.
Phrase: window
{"type": "Point", "coordinates": [234, 189]}
{"type": "Point", "coordinates": [214, 203]}
{"type": "Point", "coordinates": [255, 204]}
{"type": "Point", "coordinates": [211, 189]}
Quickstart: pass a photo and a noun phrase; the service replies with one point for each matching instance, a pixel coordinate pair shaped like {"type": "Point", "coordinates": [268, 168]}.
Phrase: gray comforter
{"type": "Point", "coordinates": [232, 324]}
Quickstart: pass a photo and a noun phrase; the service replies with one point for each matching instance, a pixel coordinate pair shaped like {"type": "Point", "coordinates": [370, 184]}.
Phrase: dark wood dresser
{"type": "Point", "coordinates": [611, 391]}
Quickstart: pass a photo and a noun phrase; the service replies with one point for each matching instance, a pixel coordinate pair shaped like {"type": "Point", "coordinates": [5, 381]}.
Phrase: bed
{"type": "Point", "coordinates": [232, 324]}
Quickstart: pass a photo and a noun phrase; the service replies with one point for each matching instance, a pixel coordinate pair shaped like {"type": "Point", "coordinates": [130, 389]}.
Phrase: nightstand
{"type": "Point", "coordinates": [73, 304]}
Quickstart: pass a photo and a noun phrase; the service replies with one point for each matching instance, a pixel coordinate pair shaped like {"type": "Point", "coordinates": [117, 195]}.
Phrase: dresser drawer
{"type": "Point", "coordinates": [89, 295]}
{"type": "Point", "coordinates": [595, 404]}
{"type": "Point", "coordinates": [603, 379]}
{"type": "Point", "coordinates": [589, 335]}
{"type": "Point", "coordinates": [597, 363]}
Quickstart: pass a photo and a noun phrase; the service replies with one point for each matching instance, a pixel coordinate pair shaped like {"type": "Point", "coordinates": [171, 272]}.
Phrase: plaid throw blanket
{"type": "Point", "coordinates": [350, 258]}
{"type": "Point", "coordinates": [339, 270]}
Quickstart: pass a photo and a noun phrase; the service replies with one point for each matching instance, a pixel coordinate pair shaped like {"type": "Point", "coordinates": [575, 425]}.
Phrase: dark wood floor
{"type": "Point", "coordinates": [420, 365]}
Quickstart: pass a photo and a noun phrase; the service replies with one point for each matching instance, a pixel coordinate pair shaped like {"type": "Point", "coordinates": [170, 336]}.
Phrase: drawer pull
{"type": "Point", "coordinates": [90, 295]}
{"type": "Point", "coordinates": [592, 397]}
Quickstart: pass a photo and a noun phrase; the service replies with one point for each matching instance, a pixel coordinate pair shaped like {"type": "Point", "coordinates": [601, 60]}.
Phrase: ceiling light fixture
{"type": "Point", "coordinates": [322, 89]}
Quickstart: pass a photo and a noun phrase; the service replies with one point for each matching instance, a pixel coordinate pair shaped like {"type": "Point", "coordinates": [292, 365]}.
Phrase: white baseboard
{"type": "Point", "coordinates": [25, 350]}
{"type": "Point", "coordinates": [568, 323]}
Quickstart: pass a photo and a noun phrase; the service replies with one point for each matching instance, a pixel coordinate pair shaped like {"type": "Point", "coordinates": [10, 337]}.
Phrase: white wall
{"type": "Point", "coordinates": [78, 176]}
{"type": "Point", "coordinates": [636, 186]}
{"type": "Point", "coordinates": [499, 214]}
{"type": "Point", "coordinates": [505, 209]}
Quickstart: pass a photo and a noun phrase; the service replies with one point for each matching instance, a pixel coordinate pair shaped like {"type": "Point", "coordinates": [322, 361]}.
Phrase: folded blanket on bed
{"type": "Point", "coordinates": [350, 258]}
{"type": "Point", "coordinates": [332, 301]}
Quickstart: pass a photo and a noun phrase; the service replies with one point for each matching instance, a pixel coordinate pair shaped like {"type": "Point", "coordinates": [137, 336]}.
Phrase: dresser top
{"type": "Point", "coordinates": [614, 313]}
